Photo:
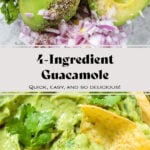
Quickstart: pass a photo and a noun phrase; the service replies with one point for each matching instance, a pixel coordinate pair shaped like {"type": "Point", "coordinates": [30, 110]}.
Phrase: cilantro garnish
{"type": "Point", "coordinates": [10, 9]}
{"type": "Point", "coordinates": [32, 127]}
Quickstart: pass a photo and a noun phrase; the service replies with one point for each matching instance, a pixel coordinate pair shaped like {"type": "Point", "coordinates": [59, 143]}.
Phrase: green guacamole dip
{"type": "Point", "coordinates": [61, 131]}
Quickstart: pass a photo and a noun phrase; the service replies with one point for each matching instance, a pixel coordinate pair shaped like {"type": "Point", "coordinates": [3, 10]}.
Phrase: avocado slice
{"type": "Point", "coordinates": [55, 10]}
{"type": "Point", "coordinates": [120, 10]}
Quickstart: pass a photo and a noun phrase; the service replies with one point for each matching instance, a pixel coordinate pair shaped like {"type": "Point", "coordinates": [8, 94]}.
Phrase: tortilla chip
{"type": "Point", "coordinates": [144, 104]}
{"type": "Point", "coordinates": [112, 131]}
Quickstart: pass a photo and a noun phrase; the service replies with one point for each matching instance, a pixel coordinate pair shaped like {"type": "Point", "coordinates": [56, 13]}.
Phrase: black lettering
{"type": "Point", "coordinates": [40, 59]}
{"type": "Point", "coordinates": [106, 75]}
{"type": "Point", "coordinates": [45, 74]}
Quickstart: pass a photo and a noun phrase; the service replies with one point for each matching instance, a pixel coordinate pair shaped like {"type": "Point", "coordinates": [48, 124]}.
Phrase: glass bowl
{"type": "Point", "coordinates": [140, 35]}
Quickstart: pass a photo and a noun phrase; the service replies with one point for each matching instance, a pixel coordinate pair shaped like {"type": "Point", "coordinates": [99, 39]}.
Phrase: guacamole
{"type": "Point", "coordinates": [52, 121]}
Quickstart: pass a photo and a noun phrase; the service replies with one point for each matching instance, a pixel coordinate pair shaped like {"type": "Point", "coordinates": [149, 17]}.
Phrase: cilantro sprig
{"type": "Point", "coordinates": [32, 127]}
{"type": "Point", "coordinates": [10, 9]}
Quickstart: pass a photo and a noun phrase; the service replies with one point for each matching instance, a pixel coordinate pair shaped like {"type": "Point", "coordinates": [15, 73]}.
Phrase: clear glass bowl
{"type": "Point", "coordinates": [141, 30]}
{"type": "Point", "coordinates": [9, 34]}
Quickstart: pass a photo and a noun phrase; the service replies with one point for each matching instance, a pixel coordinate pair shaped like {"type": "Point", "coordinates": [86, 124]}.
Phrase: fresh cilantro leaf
{"type": "Point", "coordinates": [15, 126]}
{"type": "Point", "coordinates": [45, 121]}
{"type": "Point", "coordinates": [33, 128]}
{"type": "Point", "coordinates": [43, 138]}
{"type": "Point", "coordinates": [25, 111]}
{"type": "Point", "coordinates": [37, 122]}
{"type": "Point", "coordinates": [31, 122]}
{"type": "Point", "coordinates": [10, 9]}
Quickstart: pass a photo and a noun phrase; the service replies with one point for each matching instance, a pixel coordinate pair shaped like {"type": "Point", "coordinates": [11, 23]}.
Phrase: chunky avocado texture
{"type": "Point", "coordinates": [55, 10]}
{"type": "Point", "coordinates": [120, 10]}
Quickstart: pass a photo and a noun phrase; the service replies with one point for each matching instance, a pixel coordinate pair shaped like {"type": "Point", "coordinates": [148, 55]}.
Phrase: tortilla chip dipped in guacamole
{"type": "Point", "coordinates": [111, 130]}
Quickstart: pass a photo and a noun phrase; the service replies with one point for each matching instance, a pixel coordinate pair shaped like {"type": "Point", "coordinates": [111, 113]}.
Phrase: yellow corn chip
{"type": "Point", "coordinates": [112, 131]}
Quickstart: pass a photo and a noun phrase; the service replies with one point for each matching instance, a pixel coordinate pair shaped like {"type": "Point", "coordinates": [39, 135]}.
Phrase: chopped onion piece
{"type": "Point", "coordinates": [29, 15]}
{"type": "Point", "coordinates": [41, 12]}
{"type": "Point", "coordinates": [89, 31]}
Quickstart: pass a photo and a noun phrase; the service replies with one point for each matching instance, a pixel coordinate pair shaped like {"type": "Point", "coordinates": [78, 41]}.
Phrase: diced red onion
{"type": "Point", "coordinates": [41, 12]}
{"type": "Point", "coordinates": [29, 15]}
{"type": "Point", "coordinates": [107, 27]}
{"type": "Point", "coordinates": [52, 30]}
{"type": "Point", "coordinates": [87, 31]}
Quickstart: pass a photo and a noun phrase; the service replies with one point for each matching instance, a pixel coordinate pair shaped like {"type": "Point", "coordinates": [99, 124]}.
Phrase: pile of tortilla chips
{"type": "Point", "coordinates": [111, 130]}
